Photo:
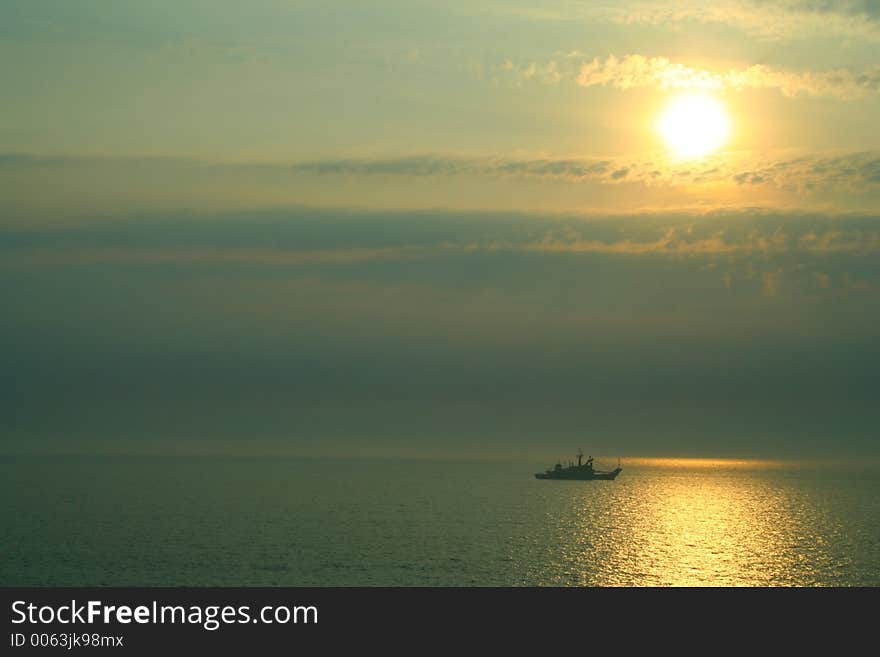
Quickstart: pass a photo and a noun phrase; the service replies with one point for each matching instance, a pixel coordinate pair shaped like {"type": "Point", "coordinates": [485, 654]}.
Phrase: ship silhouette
{"type": "Point", "coordinates": [581, 471]}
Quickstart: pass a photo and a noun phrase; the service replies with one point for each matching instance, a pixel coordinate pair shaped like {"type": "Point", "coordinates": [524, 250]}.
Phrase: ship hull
{"type": "Point", "coordinates": [574, 475]}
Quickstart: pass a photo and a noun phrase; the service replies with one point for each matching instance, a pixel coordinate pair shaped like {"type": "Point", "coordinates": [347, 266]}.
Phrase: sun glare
{"type": "Point", "coordinates": [694, 125]}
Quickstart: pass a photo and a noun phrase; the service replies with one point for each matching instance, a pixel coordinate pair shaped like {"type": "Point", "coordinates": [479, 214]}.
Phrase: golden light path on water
{"type": "Point", "coordinates": [700, 523]}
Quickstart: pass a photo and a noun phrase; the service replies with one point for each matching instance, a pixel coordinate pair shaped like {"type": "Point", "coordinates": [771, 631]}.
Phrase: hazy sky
{"type": "Point", "coordinates": [438, 227]}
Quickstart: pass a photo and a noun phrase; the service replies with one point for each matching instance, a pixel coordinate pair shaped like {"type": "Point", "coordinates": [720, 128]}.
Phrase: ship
{"type": "Point", "coordinates": [581, 472]}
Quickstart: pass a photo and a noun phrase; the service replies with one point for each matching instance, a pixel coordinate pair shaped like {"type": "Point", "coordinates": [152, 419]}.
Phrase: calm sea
{"type": "Point", "coordinates": [294, 522]}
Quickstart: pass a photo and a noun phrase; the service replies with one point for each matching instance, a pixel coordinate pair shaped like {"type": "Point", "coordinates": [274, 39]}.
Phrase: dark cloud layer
{"type": "Point", "coordinates": [859, 170]}
{"type": "Point", "coordinates": [315, 230]}
{"type": "Point", "coordinates": [745, 333]}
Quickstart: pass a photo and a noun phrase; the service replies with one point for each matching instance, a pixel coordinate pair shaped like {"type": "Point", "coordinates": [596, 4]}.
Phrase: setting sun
{"type": "Point", "coordinates": [694, 125]}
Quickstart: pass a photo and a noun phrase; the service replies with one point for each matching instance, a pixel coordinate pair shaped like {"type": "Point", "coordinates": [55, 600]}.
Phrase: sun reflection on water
{"type": "Point", "coordinates": [695, 526]}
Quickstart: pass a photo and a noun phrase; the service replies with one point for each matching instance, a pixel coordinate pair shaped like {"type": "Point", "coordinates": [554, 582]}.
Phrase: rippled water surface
{"type": "Point", "coordinates": [189, 521]}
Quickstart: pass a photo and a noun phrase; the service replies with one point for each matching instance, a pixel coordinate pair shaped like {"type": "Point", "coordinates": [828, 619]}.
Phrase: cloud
{"type": "Point", "coordinates": [454, 165]}
{"type": "Point", "coordinates": [805, 173]}
{"type": "Point", "coordinates": [790, 172]}
{"type": "Point", "coordinates": [781, 20]}
{"type": "Point", "coordinates": [304, 308]}
{"type": "Point", "coordinates": [322, 239]}
{"type": "Point", "coordinates": [860, 170]}
{"type": "Point", "coordinates": [66, 256]}
{"type": "Point", "coordinates": [422, 165]}
{"type": "Point", "coordinates": [637, 71]}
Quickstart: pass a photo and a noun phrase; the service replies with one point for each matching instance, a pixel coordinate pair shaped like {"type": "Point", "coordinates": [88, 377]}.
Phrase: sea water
{"type": "Point", "coordinates": [191, 521]}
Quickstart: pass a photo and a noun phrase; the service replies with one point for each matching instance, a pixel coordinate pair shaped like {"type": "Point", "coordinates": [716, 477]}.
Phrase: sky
{"type": "Point", "coordinates": [433, 228]}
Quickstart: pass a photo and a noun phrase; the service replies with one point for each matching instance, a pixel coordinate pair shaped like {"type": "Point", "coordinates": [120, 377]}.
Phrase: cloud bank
{"type": "Point", "coordinates": [779, 20]}
{"type": "Point", "coordinates": [854, 170]}
{"type": "Point", "coordinates": [811, 171]}
{"type": "Point", "coordinates": [307, 238]}
{"type": "Point", "coordinates": [306, 326]}
{"type": "Point", "coordinates": [782, 20]}
{"type": "Point", "coordinates": [638, 71]}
